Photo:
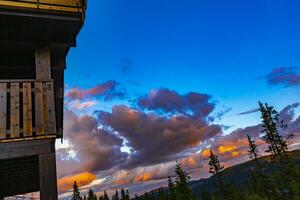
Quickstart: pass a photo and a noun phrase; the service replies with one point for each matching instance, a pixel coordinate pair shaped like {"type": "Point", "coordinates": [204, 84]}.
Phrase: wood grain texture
{"type": "Point", "coordinates": [48, 179]}
{"type": "Point", "coordinates": [27, 110]}
{"type": "Point", "coordinates": [45, 5]}
{"type": "Point", "coordinates": [39, 107]}
{"type": "Point", "coordinates": [3, 106]}
{"type": "Point", "coordinates": [49, 109]}
{"type": "Point", "coordinates": [14, 110]}
{"type": "Point", "coordinates": [42, 63]}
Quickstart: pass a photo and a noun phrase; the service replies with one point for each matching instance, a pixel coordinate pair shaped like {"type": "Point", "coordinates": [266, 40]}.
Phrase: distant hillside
{"type": "Point", "coordinates": [239, 174]}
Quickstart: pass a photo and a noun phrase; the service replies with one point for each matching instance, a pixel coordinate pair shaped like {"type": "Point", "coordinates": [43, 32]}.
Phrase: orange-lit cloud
{"type": "Point", "coordinates": [143, 177]}
{"type": "Point", "coordinates": [82, 179]}
{"type": "Point", "coordinates": [205, 153]}
{"type": "Point", "coordinates": [226, 148]}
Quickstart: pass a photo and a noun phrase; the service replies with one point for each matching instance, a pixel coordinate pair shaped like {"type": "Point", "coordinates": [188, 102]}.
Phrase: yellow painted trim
{"type": "Point", "coordinates": [42, 7]}
{"type": "Point", "coordinates": [28, 138]}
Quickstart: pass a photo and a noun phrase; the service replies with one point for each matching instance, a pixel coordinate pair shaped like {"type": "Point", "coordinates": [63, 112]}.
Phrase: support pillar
{"type": "Point", "coordinates": [48, 179]}
{"type": "Point", "coordinates": [43, 63]}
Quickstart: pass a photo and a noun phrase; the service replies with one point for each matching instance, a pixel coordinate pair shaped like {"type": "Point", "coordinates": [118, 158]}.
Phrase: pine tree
{"type": "Point", "coordinates": [161, 194]}
{"type": "Point", "coordinates": [147, 196]}
{"type": "Point", "coordinates": [136, 197]}
{"type": "Point", "coordinates": [214, 163]}
{"type": "Point", "coordinates": [91, 195]}
{"type": "Point", "coordinates": [127, 196]}
{"type": "Point", "coordinates": [116, 196]}
{"type": "Point", "coordinates": [277, 145]}
{"type": "Point", "coordinates": [182, 189]}
{"type": "Point", "coordinates": [76, 193]}
{"type": "Point", "coordinates": [105, 196]}
{"type": "Point", "coordinates": [253, 151]}
{"type": "Point", "coordinates": [282, 180]}
{"type": "Point", "coordinates": [215, 168]}
{"type": "Point", "coordinates": [123, 195]}
{"type": "Point", "coordinates": [172, 189]}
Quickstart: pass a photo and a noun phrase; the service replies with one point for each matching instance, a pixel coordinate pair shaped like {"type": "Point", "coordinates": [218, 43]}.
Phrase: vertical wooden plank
{"type": "Point", "coordinates": [39, 114]}
{"type": "Point", "coordinates": [3, 106]}
{"type": "Point", "coordinates": [45, 108]}
{"type": "Point", "coordinates": [27, 110]}
{"type": "Point", "coordinates": [42, 63]}
{"type": "Point", "coordinates": [47, 174]}
{"type": "Point", "coordinates": [14, 110]}
{"type": "Point", "coordinates": [49, 108]}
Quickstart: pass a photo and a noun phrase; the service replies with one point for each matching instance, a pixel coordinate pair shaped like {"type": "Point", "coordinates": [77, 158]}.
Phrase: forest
{"type": "Point", "coordinates": [280, 183]}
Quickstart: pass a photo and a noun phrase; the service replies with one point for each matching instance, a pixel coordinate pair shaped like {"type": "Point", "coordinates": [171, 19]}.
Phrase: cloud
{"type": "Point", "coordinates": [125, 65]}
{"type": "Point", "coordinates": [154, 138]}
{"type": "Point", "coordinates": [82, 179]}
{"type": "Point", "coordinates": [165, 100]}
{"type": "Point", "coordinates": [80, 105]}
{"type": "Point", "coordinates": [234, 146]}
{"type": "Point", "coordinates": [107, 90]}
{"type": "Point", "coordinates": [91, 148]}
{"type": "Point", "coordinates": [156, 142]}
{"type": "Point", "coordinates": [249, 111]}
{"type": "Point", "coordinates": [286, 76]}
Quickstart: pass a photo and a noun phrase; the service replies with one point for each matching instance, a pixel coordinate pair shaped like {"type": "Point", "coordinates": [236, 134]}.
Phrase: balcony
{"type": "Point", "coordinates": [27, 110]}
{"type": "Point", "coordinates": [68, 6]}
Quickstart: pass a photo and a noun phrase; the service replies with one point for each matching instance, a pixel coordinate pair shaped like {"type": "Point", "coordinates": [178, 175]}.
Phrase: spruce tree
{"type": "Point", "coordinates": [91, 195]}
{"type": "Point", "coordinates": [182, 189]}
{"type": "Point", "coordinates": [215, 168]}
{"type": "Point", "coordinates": [127, 196]}
{"type": "Point", "coordinates": [253, 151]}
{"type": "Point", "coordinates": [214, 163]}
{"type": "Point", "coordinates": [105, 196]}
{"type": "Point", "coordinates": [161, 194]}
{"type": "Point", "coordinates": [277, 145]}
{"type": "Point", "coordinates": [172, 189]}
{"type": "Point", "coordinates": [76, 193]}
{"type": "Point", "coordinates": [282, 180]}
{"type": "Point", "coordinates": [116, 196]}
{"type": "Point", "coordinates": [123, 195]}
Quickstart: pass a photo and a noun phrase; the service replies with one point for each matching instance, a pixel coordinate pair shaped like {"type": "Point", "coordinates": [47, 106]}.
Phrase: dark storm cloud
{"type": "Point", "coordinates": [169, 101]}
{"type": "Point", "coordinates": [155, 138]}
{"type": "Point", "coordinates": [107, 90]}
{"type": "Point", "coordinates": [95, 148]}
{"type": "Point", "coordinates": [286, 76]}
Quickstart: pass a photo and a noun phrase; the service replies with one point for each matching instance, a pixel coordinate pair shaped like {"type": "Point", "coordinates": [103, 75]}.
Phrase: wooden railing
{"type": "Point", "coordinates": [27, 109]}
{"type": "Point", "coordinates": [73, 6]}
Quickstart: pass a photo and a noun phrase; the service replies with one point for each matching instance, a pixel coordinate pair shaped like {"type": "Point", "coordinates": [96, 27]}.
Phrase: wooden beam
{"type": "Point", "coordinates": [48, 178]}
{"type": "Point", "coordinates": [42, 63]}
{"type": "Point", "coordinates": [26, 148]}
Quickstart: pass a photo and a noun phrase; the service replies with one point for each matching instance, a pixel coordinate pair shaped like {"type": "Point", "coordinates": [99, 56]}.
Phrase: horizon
{"type": "Point", "coordinates": [176, 77]}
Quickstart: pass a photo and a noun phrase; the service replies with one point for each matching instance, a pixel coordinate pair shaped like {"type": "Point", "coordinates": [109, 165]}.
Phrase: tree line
{"type": "Point", "coordinates": [282, 183]}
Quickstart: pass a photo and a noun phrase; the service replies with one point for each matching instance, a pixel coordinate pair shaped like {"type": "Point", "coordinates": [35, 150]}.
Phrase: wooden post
{"type": "Point", "coordinates": [42, 63]}
{"type": "Point", "coordinates": [48, 182]}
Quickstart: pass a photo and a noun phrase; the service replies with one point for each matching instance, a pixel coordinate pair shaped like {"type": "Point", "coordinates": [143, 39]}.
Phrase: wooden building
{"type": "Point", "coordinates": [35, 37]}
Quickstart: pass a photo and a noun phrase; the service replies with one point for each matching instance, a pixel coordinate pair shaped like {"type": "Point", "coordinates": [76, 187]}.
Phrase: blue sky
{"type": "Point", "coordinates": [212, 47]}
{"type": "Point", "coordinates": [225, 49]}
